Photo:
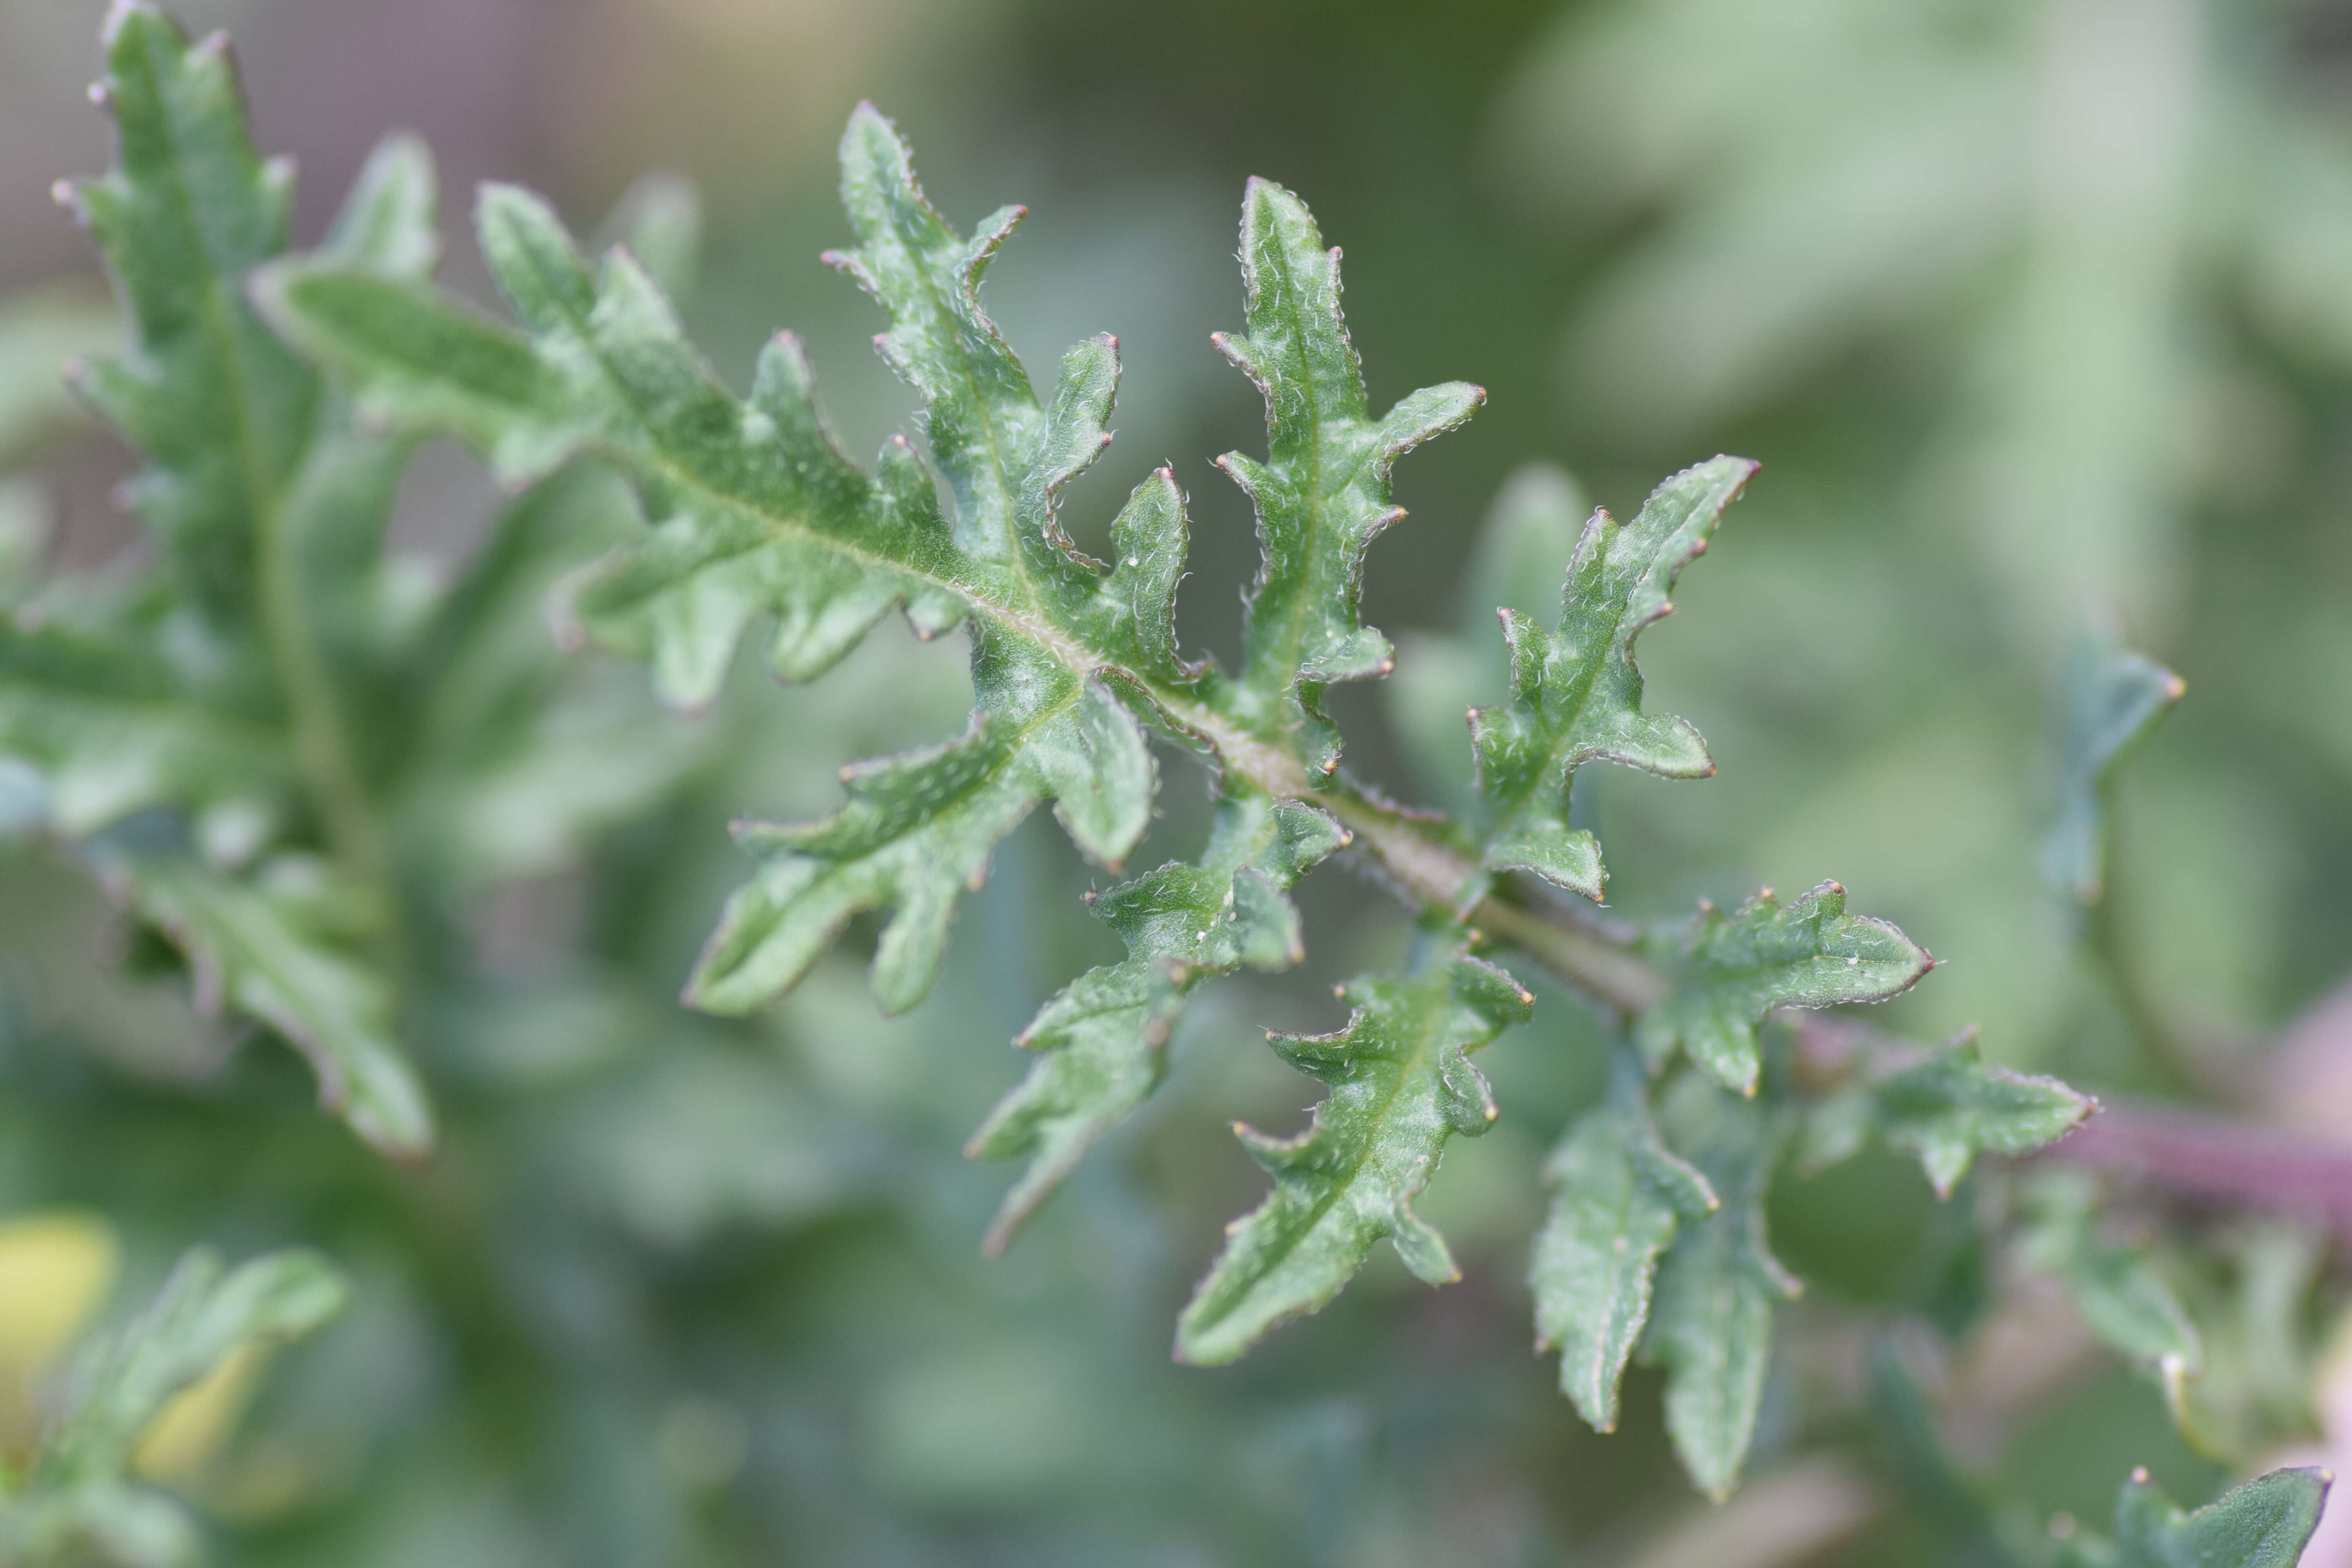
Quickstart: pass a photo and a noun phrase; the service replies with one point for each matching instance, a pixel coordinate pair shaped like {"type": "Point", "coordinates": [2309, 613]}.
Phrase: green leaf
{"type": "Point", "coordinates": [78, 1495]}
{"type": "Point", "coordinates": [1530, 527]}
{"type": "Point", "coordinates": [1728, 972]}
{"type": "Point", "coordinates": [1322, 492]}
{"type": "Point", "coordinates": [1711, 1322]}
{"type": "Point", "coordinates": [279, 946]}
{"type": "Point", "coordinates": [1101, 1041]}
{"type": "Point", "coordinates": [2115, 700]}
{"type": "Point", "coordinates": [2118, 1287]}
{"type": "Point", "coordinates": [761, 513]}
{"type": "Point", "coordinates": [221, 410]}
{"type": "Point", "coordinates": [1947, 1110]}
{"type": "Point", "coordinates": [220, 685]}
{"type": "Point", "coordinates": [517, 757]}
{"type": "Point", "coordinates": [1576, 694]}
{"type": "Point", "coordinates": [1618, 1197]}
{"type": "Point", "coordinates": [2262, 1524]}
{"type": "Point", "coordinates": [90, 695]}
{"type": "Point", "coordinates": [1401, 1084]}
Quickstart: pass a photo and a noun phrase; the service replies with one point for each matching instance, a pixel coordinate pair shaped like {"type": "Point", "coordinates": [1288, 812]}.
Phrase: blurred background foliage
{"type": "Point", "coordinates": [2039, 315]}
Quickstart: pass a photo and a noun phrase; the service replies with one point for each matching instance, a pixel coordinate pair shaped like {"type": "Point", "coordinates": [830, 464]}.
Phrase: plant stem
{"type": "Point", "coordinates": [321, 744]}
{"type": "Point", "coordinates": [2214, 1159]}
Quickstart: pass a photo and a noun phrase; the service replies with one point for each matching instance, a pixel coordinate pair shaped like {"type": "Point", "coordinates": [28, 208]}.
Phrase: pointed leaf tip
{"type": "Point", "coordinates": [1577, 691]}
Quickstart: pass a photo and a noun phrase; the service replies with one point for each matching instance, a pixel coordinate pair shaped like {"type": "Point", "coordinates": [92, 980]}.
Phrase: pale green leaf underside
{"type": "Point", "coordinates": [1619, 1197]}
{"type": "Point", "coordinates": [1576, 693]}
{"type": "Point", "coordinates": [1728, 971]}
{"type": "Point", "coordinates": [1400, 1086]}
{"type": "Point", "coordinates": [1101, 1041]}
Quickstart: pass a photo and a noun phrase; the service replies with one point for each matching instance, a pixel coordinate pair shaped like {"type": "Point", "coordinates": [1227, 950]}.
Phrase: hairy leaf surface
{"type": "Point", "coordinates": [1101, 1041]}
{"type": "Point", "coordinates": [1322, 491]}
{"type": "Point", "coordinates": [758, 512]}
{"type": "Point", "coordinates": [1401, 1084]}
{"type": "Point", "coordinates": [1576, 694]}
{"type": "Point", "coordinates": [2261, 1523]}
{"type": "Point", "coordinates": [1728, 971]}
{"type": "Point", "coordinates": [1711, 1323]}
{"type": "Point", "coordinates": [1619, 1197]}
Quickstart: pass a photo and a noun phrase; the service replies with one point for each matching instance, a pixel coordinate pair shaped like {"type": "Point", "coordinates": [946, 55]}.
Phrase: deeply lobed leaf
{"type": "Point", "coordinates": [1101, 1040]}
{"type": "Point", "coordinates": [1727, 971]}
{"type": "Point", "coordinates": [1576, 693]}
{"type": "Point", "coordinates": [1402, 1085]}
{"type": "Point", "coordinates": [214, 687]}
{"type": "Point", "coordinates": [1322, 491]}
{"type": "Point", "coordinates": [760, 512]}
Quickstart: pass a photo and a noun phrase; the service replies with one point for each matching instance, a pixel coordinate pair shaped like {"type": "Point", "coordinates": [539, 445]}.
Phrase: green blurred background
{"type": "Point", "coordinates": [2039, 315]}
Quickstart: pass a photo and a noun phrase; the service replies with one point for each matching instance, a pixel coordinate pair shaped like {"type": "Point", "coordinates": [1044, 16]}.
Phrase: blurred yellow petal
{"type": "Point", "coordinates": [199, 1418]}
{"type": "Point", "coordinates": [55, 1267]}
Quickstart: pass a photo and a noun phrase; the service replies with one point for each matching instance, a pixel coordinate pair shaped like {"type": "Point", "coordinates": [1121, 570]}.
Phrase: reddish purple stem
{"type": "Point", "coordinates": [2250, 1164]}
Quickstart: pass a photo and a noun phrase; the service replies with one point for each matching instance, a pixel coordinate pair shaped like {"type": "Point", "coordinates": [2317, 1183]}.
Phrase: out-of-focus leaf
{"type": "Point", "coordinates": [1728, 971]}
{"type": "Point", "coordinates": [1619, 1197]}
{"type": "Point", "coordinates": [216, 687]}
{"type": "Point", "coordinates": [2115, 698]}
{"type": "Point", "coordinates": [279, 947]}
{"type": "Point", "coordinates": [2262, 1524]}
{"type": "Point", "coordinates": [1402, 1085]}
{"type": "Point", "coordinates": [1946, 1110]}
{"type": "Point", "coordinates": [78, 1498]}
{"type": "Point", "coordinates": [2117, 1289]}
{"type": "Point", "coordinates": [659, 219]}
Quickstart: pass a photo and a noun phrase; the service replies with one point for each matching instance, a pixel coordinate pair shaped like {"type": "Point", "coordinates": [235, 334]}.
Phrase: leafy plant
{"type": "Point", "coordinates": [78, 1496]}
{"type": "Point", "coordinates": [1073, 660]}
{"type": "Point", "coordinates": [307, 769]}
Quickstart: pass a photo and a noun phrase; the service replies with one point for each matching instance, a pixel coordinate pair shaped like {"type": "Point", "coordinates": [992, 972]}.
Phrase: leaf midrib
{"type": "Point", "coordinates": [1333, 1190]}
